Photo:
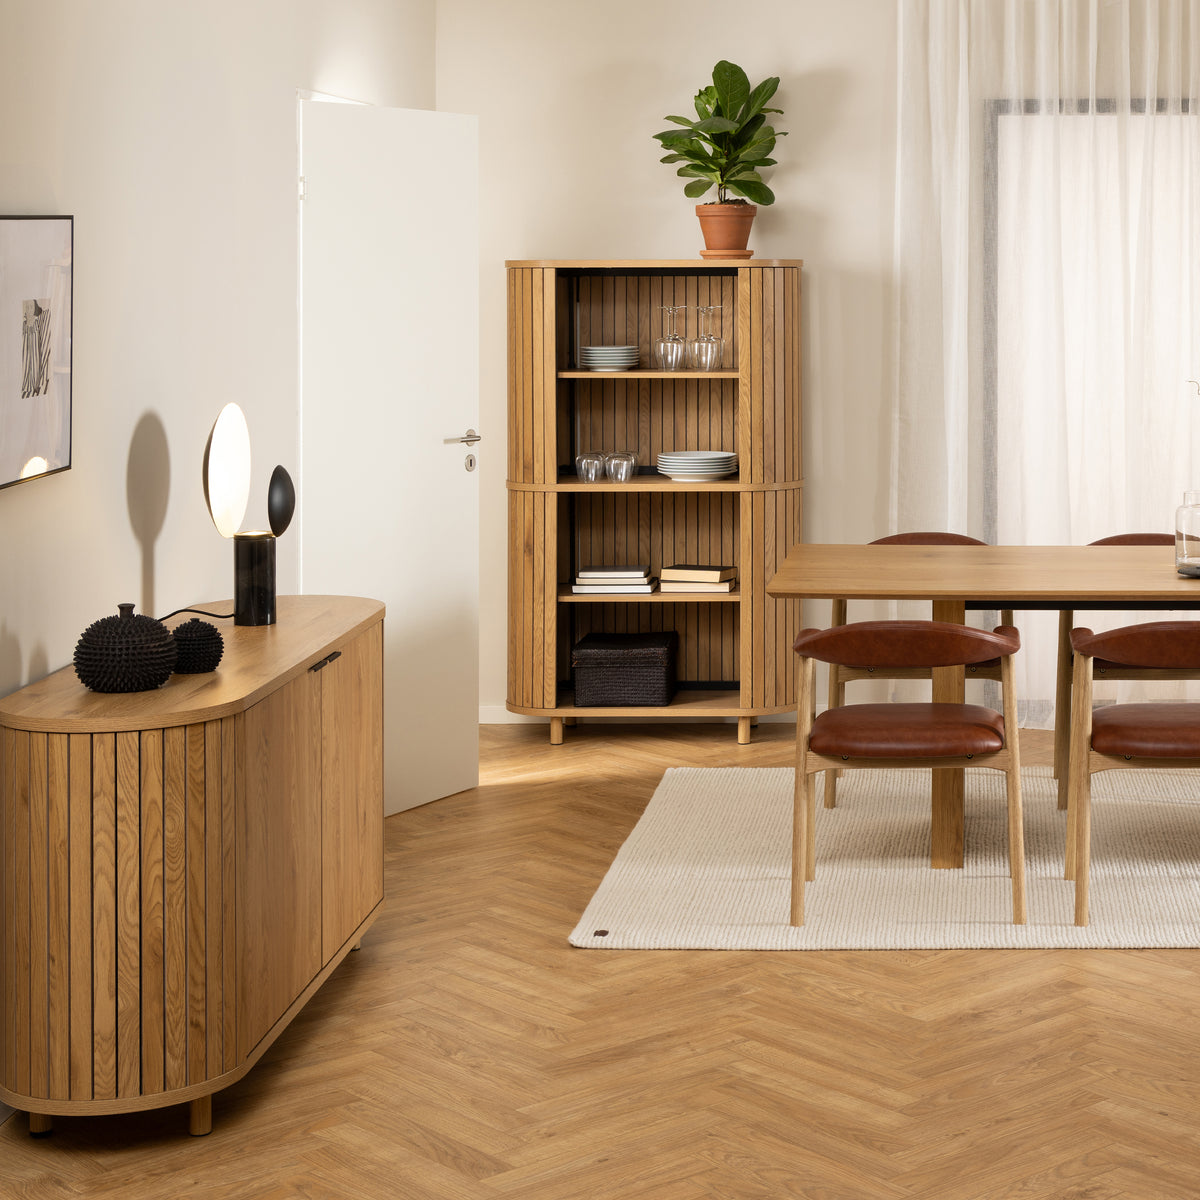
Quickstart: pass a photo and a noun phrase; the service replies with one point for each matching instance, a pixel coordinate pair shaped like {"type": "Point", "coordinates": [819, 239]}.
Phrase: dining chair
{"type": "Point", "coordinates": [1103, 670]}
{"type": "Point", "coordinates": [1138, 735]}
{"type": "Point", "coordinates": [864, 735]}
{"type": "Point", "coordinates": [839, 676]}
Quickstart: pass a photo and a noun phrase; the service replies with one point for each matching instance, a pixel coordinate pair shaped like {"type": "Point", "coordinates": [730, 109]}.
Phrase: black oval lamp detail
{"type": "Point", "coordinates": [226, 473]}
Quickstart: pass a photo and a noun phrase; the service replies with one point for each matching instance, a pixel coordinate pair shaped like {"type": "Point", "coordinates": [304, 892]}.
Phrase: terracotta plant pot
{"type": "Point", "coordinates": [726, 229]}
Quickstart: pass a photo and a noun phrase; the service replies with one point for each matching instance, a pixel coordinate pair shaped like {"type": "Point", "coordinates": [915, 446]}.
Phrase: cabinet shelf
{"type": "Point", "coordinates": [557, 521]}
{"type": "Point", "coordinates": [665, 376]}
{"type": "Point", "coordinates": [566, 596]}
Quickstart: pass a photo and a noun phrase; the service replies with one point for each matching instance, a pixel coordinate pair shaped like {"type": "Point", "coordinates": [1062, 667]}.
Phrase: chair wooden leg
{"type": "Point", "coordinates": [810, 804]}
{"type": "Point", "coordinates": [1083, 846]}
{"type": "Point", "coordinates": [800, 839]}
{"type": "Point", "coordinates": [837, 697]}
{"type": "Point", "coordinates": [1016, 842]}
{"type": "Point", "coordinates": [1062, 705]}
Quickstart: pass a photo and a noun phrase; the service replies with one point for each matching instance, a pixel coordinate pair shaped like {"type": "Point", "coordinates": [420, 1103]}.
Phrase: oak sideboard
{"type": "Point", "coordinates": [184, 867]}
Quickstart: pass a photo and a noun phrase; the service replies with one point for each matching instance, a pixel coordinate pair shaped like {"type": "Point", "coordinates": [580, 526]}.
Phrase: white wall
{"type": "Point", "coordinates": [169, 131]}
{"type": "Point", "coordinates": [568, 96]}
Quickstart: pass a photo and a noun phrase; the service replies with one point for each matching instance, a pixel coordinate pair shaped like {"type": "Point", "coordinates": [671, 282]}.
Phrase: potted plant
{"type": "Point", "coordinates": [727, 144]}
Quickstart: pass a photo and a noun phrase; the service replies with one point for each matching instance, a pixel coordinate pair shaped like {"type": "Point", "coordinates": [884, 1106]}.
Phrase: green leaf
{"type": "Point", "coordinates": [743, 173]}
{"type": "Point", "coordinates": [706, 99]}
{"type": "Point", "coordinates": [670, 158]}
{"type": "Point", "coordinates": [679, 120]}
{"type": "Point", "coordinates": [755, 192]}
{"type": "Point", "coordinates": [698, 172]}
{"type": "Point", "coordinates": [732, 86]}
{"type": "Point", "coordinates": [697, 188]}
{"type": "Point", "coordinates": [760, 96]}
{"type": "Point", "coordinates": [716, 125]}
{"type": "Point", "coordinates": [673, 137]}
{"type": "Point", "coordinates": [746, 133]}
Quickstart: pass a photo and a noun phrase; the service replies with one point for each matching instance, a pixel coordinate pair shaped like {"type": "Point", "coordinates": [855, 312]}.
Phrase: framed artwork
{"type": "Point", "coordinates": [36, 256]}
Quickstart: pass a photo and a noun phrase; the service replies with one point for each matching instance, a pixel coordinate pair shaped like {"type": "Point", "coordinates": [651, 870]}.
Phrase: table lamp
{"type": "Point", "coordinates": [226, 473]}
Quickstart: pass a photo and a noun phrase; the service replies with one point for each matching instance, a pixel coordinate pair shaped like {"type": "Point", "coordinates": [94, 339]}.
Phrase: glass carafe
{"type": "Point", "coordinates": [1187, 535]}
{"type": "Point", "coordinates": [669, 348]}
{"type": "Point", "coordinates": [706, 349]}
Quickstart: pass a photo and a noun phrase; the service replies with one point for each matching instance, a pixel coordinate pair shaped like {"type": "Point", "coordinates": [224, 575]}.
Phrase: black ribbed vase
{"type": "Point", "coordinates": [125, 653]}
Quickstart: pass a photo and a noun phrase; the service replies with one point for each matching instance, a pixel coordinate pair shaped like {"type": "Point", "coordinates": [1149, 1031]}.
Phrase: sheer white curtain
{"type": "Point", "coordinates": [1047, 277]}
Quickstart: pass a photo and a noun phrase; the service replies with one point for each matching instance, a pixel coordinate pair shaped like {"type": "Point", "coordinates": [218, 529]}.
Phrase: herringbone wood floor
{"type": "Point", "coordinates": [469, 1052]}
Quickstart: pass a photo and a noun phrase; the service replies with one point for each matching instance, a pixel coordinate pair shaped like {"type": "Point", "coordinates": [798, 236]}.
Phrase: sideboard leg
{"type": "Point", "coordinates": [200, 1116]}
{"type": "Point", "coordinates": [40, 1124]}
{"type": "Point", "coordinates": [556, 731]}
{"type": "Point", "coordinates": [744, 724]}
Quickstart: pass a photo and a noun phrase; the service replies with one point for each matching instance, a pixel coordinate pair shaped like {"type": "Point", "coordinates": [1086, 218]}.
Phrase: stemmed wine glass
{"type": "Point", "coordinates": [669, 348]}
{"type": "Point", "coordinates": [705, 350]}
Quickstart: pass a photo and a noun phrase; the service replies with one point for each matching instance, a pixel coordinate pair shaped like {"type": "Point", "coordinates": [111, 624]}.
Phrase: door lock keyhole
{"type": "Point", "coordinates": [469, 462]}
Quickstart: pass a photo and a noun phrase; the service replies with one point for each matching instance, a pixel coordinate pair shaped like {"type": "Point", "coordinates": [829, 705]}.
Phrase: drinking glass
{"type": "Point", "coordinates": [669, 349]}
{"type": "Point", "coordinates": [706, 349]}
{"type": "Point", "coordinates": [620, 465]}
{"type": "Point", "coordinates": [589, 466]}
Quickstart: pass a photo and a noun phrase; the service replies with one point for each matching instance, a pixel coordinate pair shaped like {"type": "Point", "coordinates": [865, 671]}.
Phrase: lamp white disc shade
{"type": "Point", "coordinates": [227, 470]}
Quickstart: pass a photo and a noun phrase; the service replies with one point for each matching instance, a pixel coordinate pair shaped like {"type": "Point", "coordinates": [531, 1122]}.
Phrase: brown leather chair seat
{"type": "Point", "coordinates": [935, 734]}
{"type": "Point", "coordinates": [907, 731]}
{"type": "Point", "coordinates": [1150, 730]}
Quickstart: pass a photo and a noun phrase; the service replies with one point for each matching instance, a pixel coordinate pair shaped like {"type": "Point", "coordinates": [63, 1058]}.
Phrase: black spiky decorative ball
{"type": "Point", "coordinates": [200, 647]}
{"type": "Point", "coordinates": [125, 653]}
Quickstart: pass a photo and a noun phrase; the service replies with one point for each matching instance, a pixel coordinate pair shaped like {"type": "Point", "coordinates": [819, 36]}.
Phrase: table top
{"type": "Point", "coordinates": [256, 660]}
{"type": "Point", "coordinates": [1010, 576]}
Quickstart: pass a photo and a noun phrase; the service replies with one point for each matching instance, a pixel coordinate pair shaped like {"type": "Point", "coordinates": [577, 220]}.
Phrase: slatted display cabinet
{"type": "Point", "coordinates": [184, 867]}
{"type": "Point", "coordinates": [735, 656]}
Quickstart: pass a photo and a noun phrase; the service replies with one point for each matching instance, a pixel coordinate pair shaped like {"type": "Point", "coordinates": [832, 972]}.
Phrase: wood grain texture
{"type": "Point", "coordinates": [558, 524]}
{"type": "Point", "coordinates": [351, 788]}
{"type": "Point", "coordinates": [257, 659]}
{"type": "Point", "coordinates": [279, 908]}
{"type": "Point", "coordinates": [122, 870]}
{"type": "Point", "coordinates": [473, 1053]}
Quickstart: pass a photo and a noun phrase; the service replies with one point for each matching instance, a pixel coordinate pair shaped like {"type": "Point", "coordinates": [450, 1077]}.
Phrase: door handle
{"type": "Point", "coordinates": [468, 439]}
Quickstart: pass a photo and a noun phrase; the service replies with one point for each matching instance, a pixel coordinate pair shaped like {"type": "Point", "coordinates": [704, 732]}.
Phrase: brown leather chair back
{"type": "Point", "coordinates": [1136, 539]}
{"type": "Point", "coordinates": [927, 539]}
{"type": "Point", "coordinates": [906, 644]}
{"type": "Point", "coordinates": [1154, 645]}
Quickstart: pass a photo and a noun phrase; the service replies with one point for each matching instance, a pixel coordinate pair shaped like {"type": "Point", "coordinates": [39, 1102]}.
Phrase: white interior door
{"type": "Point", "coordinates": [390, 370]}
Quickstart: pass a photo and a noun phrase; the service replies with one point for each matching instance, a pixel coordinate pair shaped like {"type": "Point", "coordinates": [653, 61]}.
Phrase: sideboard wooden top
{"type": "Point", "coordinates": [257, 660]}
{"type": "Point", "coordinates": [654, 264]}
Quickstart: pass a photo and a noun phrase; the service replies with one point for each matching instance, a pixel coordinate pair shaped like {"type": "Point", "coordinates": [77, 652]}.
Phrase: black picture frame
{"type": "Point", "coordinates": [36, 325]}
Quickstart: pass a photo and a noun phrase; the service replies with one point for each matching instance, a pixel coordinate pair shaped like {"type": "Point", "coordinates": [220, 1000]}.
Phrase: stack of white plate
{"type": "Point", "coordinates": [608, 358]}
{"type": "Point", "coordinates": [696, 466]}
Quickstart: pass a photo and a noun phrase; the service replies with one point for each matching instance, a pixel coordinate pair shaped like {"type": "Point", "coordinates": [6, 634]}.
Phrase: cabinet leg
{"type": "Point", "coordinates": [744, 724]}
{"type": "Point", "coordinates": [200, 1116]}
{"type": "Point", "coordinates": [40, 1124]}
{"type": "Point", "coordinates": [556, 731]}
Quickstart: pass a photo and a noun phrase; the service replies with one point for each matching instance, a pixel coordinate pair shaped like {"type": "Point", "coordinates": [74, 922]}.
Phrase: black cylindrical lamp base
{"type": "Point", "coordinates": [254, 578]}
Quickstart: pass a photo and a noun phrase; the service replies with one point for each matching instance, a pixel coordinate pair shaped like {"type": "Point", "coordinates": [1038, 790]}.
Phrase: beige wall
{"type": "Point", "coordinates": [568, 95]}
{"type": "Point", "coordinates": [169, 131]}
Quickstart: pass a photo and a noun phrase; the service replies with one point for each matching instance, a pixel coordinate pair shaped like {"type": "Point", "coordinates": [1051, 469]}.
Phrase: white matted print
{"type": "Point", "coordinates": [35, 346]}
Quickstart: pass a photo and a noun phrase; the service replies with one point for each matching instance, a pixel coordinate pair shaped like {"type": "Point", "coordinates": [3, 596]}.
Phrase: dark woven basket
{"type": "Point", "coordinates": [624, 669]}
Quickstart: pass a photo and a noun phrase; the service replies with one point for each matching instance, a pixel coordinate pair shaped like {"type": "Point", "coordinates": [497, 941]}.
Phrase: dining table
{"type": "Point", "coordinates": [960, 579]}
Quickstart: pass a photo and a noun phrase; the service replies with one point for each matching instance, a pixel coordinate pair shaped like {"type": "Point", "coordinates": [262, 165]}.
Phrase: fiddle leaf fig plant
{"type": "Point", "coordinates": [729, 141]}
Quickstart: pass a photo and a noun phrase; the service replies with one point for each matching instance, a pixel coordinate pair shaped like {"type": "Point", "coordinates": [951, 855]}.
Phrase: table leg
{"type": "Point", "coordinates": [946, 819]}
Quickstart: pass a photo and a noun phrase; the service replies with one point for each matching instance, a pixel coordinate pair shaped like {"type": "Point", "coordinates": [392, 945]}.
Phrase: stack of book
{"type": "Point", "coordinates": [697, 577]}
{"type": "Point", "coordinates": [598, 580]}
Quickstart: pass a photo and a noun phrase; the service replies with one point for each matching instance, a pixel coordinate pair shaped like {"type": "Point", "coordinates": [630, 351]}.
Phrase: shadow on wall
{"type": "Point", "coordinates": [147, 488]}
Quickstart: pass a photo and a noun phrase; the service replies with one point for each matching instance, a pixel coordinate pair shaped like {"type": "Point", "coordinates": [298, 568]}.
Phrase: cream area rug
{"type": "Point", "coordinates": [707, 866]}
